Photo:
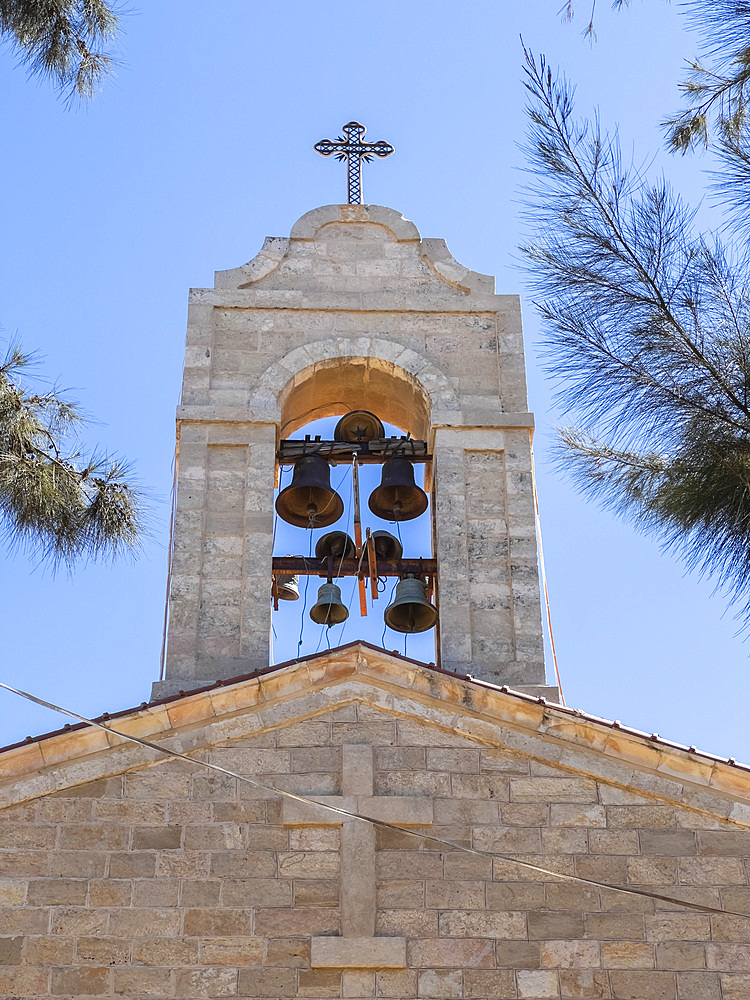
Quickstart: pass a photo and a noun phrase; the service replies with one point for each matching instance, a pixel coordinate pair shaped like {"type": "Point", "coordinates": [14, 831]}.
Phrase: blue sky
{"type": "Point", "coordinates": [201, 147]}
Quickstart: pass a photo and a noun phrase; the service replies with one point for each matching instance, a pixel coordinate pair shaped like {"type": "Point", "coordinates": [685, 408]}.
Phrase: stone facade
{"type": "Point", "coordinates": [354, 310]}
{"type": "Point", "coordinates": [125, 875]}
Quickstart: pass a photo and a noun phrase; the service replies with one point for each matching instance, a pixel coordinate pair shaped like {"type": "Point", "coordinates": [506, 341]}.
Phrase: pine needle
{"type": "Point", "coordinates": [56, 504]}
{"type": "Point", "coordinates": [647, 328]}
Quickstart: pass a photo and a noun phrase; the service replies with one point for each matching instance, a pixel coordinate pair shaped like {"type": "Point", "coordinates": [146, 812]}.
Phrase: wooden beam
{"type": "Point", "coordinates": [342, 452]}
{"type": "Point", "coordinates": [301, 566]}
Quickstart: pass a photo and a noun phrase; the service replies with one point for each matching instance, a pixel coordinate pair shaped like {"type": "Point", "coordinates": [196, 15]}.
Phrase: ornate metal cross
{"type": "Point", "coordinates": [354, 150]}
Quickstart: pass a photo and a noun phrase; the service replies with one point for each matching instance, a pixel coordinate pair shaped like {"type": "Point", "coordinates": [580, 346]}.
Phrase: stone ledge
{"type": "Point", "coordinates": [204, 413]}
{"type": "Point", "coordinates": [358, 953]}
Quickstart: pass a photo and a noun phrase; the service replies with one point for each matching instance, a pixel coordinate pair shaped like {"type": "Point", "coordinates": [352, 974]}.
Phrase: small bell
{"type": "Point", "coordinates": [287, 588]}
{"type": "Point", "coordinates": [328, 610]}
{"type": "Point", "coordinates": [309, 501]}
{"type": "Point", "coordinates": [337, 544]}
{"type": "Point", "coordinates": [398, 498]}
{"type": "Point", "coordinates": [387, 546]}
{"type": "Point", "coordinates": [359, 425]}
{"type": "Point", "coordinates": [410, 611]}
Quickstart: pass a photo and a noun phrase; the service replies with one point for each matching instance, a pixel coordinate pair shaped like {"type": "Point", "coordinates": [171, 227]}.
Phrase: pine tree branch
{"type": "Point", "coordinates": [648, 330]}
{"type": "Point", "coordinates": [63, 40]}
{"type": "Point", "coordinates": [54, 504]}
{"type": "Point", "coordinates": [546, 90]}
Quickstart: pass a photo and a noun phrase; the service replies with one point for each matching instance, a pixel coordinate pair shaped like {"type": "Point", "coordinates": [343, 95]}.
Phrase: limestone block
{"type": "Point", "coordinates": [356, 983]}
{"type": "Point", "coordinates": [361, 953]}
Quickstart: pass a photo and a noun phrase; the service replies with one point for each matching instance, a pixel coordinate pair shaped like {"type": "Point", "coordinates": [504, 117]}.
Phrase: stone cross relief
{"type": "Point", "coordinates": [358, 947]}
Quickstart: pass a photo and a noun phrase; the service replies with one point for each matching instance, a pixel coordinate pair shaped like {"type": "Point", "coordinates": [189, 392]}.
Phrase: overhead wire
{"type": "Point", "coordinates": [301, 416]}
{"type": "Point", "coordinates": [355, 580]}
{"type": "Point", "coordinates": [544, 574]}
{"type": "Point", "coordinates": [170, 552]}
{"type": "Point", "coordinates": [350, 602]}
{"type": "Point", "coordinates": [334, 492]}
{"type": "Point", "coordinates": [385, 623]}
{"type": "Point", "coordinates": [383, 824]}
{"type": "Point", "coordinates": [273, 547]}
{"type": "Point", "coordinates": [304, 601]}
{"type": "Point", "coordinates": [311, 528]}
{"type": "Point", "coordinates": [337, 575]}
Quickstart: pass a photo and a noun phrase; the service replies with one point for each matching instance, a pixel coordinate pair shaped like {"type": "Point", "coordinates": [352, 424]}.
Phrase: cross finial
{"type": "Point", "coordinates": [353, 149]}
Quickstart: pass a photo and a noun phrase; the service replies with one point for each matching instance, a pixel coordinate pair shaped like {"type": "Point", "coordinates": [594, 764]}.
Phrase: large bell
{"type": "Point", "coordinates": [309, 501]}
{"type": "Point", "coordinates": [328, 609]}
{"type": "Point", "coordinates": [287, 588]}
{"type": "Point", "coordinates": [398, 498]}
{"type": "Point", "coordinates": [410, 611]}
{"type": "Point", "coordinates": [337, 544]}
{"type": "Point", "coordinates": [387, 546]}
{"type": "Point", "coordinates": [359, 425]}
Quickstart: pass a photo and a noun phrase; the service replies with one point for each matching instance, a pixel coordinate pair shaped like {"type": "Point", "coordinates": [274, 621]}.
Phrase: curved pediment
{"type": "Point", "coordinates": [365, 248]}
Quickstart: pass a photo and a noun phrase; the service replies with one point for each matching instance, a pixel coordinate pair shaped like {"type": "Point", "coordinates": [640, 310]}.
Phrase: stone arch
{"type": "Point", "coordinates": [326, 377]}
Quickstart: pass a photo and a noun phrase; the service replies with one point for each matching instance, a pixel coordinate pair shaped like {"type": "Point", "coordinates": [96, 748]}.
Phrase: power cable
{"type": "Point", "coordinates": [273, 548]}
{"type": "Point", "coordinates": [335, 402]}
{"type": "Point", "coordinates": [385, 623]}
{"type": "Point", "coordinates": [544, 574]}
{"type": "Point", "coordinates": [330, 500]}
{"type": "Point", "coordinates": [350, 603]}
{"type": "Point", "coordinates": [170, 552]}
{"type": "Point", "coordinates": [304, 602]}
{"type": "Point", "coordinates": [347, 814]}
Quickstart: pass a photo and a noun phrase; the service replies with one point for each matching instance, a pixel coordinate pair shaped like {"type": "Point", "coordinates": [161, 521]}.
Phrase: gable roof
{"type": "Point", "coordinates": [251, 704]}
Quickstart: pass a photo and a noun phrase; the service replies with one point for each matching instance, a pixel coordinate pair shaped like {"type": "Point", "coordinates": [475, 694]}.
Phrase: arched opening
{"type": "Point", "coordinates": [337, 385]}
{"type": "Point", "coordinates": [311, 403]}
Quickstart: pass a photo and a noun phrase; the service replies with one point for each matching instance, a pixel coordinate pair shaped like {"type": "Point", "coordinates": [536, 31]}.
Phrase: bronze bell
{"type": "Point", "coordinates": [309, 501]}
{"type": "Point", "coordinates": [410, 611]}
{"type": "Point", "coordinates": [398, 498]}
{"type": "Point", "coordinates": [328, 610]}
{"type": "Point", "coordinates": [359, 425]}
{"type": "Point", "coordinates": [387, 546]}
{"type": "Point", "coordinates": [287, 588]}
{"type": "Point", "coordinates": [337, 544]}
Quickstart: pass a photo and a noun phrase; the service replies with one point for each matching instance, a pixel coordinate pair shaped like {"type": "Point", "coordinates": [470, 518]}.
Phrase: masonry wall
{"type": "Point", "coordinates": [173, 882]}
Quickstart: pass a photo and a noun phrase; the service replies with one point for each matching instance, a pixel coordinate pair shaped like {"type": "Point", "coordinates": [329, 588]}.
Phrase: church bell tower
{"type": "Point", "coordinates": [354, 311]}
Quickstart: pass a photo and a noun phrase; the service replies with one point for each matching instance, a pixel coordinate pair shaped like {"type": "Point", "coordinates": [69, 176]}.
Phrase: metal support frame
{"type": "Point", "coordinates": [375, 452]}
{"type": "Point", "coordinates": [303, 566]}
{"type": "Point", "coordinates": [343, 452]}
